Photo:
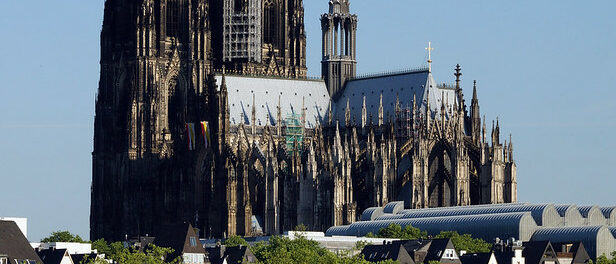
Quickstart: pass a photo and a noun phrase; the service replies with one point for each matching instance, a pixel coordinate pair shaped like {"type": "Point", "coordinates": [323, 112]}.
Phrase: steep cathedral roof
{"type": "Point", "coordinates": [402, 86]}
{"type": "Point", "coordinates": [268, 92]}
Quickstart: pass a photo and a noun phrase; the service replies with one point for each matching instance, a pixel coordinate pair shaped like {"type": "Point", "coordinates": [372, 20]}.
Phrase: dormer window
{"type": "Point", "coordinates": [4, 260]}
{"type": "Point", "coordinates": [193, 241]}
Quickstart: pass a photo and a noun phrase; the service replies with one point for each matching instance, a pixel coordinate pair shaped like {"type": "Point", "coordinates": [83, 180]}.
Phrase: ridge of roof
{"type": "Point", "coordinates": [389, 73]}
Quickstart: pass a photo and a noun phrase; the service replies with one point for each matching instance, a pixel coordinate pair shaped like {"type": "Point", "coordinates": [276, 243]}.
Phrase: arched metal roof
{"type": "Point", "coordinates": [592, 214]}
{"type": "Point", "coordinates": [613, 230]}
{"type": "Point", "coordinates": [393, 207]}
{"type": "Point", "coordinates": [461, 207]}
{"type": "Point", "coordinates": [371, 213]}
{"type": "Point", "coordinates": [597, 239]}
{"type": "Point", "coordinates": [488, 226]}
{"type": "Point", "coordinates": [610, 215]}
{"type": "Point", "coordinates": [390, 217]}
{"type": "Point", "coordinates": [570, 215]}
{"type": "Point", "coordinates": [337, 231]}
{"type": "Point", "coordinates": [544, 214]}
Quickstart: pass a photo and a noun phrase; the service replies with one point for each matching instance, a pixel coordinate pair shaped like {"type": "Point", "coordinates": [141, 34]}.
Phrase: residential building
{"type": "Point", "coordinates": [14, 247]}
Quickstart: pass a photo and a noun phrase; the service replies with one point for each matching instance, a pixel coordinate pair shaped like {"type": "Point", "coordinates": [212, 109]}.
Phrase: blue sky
{"type": "Point", "coordinates": [547, 69]}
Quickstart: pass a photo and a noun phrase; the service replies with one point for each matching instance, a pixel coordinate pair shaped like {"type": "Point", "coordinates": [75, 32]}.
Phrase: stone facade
{"type": "Point", "coordinates": [268, 168]}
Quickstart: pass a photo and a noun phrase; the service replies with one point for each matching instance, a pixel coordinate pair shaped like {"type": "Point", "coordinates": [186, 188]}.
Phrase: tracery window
{"type": "Point", "coordinates": [176, 15]}
{"type": "Point", "coordinates": [269, 23]}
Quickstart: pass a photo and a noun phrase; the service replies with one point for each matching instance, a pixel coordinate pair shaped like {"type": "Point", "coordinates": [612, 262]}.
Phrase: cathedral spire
{"type": "Point", "coordinates": [254, 115]}
{"type": "Point", "coordinates": [458, 74]}
{"type": "Point", "coordinates": [330, 114]}
{"type": "Point", "coordinates": [279, 117]}
{"type": "Point", "coordinates": [475, 116]}
{"type": "Point", "coordinates": [303, 111]}
{"type": "Point", "coordinates": [363, 113]}
{"type": "Point", "coordinates": [347, 113]}
{"type": "Point", "coordinates": [381, 117]}
{"type": "Point", "coordinates": [484, 133]}
{"type": "Point", "coordinates": [510, 149]}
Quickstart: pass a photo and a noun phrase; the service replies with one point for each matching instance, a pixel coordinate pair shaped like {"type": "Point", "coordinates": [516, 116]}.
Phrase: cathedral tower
{"type": "Point", "coordinates": [154, 62]}
{"type": "Point", "coordinates": [260, 37]}
{"type": "Point", "coordinates": [339, 29]}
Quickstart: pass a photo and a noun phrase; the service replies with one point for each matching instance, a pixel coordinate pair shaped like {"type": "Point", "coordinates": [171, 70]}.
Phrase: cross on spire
{"type": "Point", "coordinates": [429, 49]}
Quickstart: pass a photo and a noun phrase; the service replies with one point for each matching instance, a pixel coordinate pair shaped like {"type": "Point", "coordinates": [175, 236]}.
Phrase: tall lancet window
{"type": "Point", "coordinates": [269, 23]}
{"type": "Point", "coordinates": [239, 5]}
{"type": "Point", "coordinates": [176, 17]}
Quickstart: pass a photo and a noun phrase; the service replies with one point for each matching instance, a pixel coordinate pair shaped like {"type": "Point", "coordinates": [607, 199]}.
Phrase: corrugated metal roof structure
{"type": "Point", "coordinates": [610, 215]}
{"type": "Point", "coordinates": [592, 215]}
{"type": "Point", "coordinates": [401, 85]}
{"type": "Point", "coordinates": [337, 231]}
{"type": "Point", "coordinates": [598, 240]}
{"type": "Point", "coordinates": [461, 207]}
{"type": "Point", "coordinates": [544, 214]}
{"type": "Point", "coordinates": [371, 213]}
{"type": "Point", "coordinates": [291, 93]}
{"type": "Point", "coordinates": [488, 227]}
{"type": "Point", "coordinates": [570, 215]}
{"type": "Point", "coordinates": [393, 207]}
{"type": "Point", "coordinates": [390, 217]}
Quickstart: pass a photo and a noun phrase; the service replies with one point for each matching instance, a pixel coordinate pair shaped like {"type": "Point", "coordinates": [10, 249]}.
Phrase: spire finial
{"type": "Point", "coordinates": [458, 74]}
{"type": "Point", "coordinates": [429, 49]}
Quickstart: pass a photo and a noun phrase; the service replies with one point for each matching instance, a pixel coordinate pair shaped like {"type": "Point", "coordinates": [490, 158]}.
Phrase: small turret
{"type": "Point", "coordinates": [254, 116]}
{"type": "Point", "coordinates": [381, 117]}
{"type": "Point", "coordinates": [279, 116]}
{"type": "Point", "coordinates": [330, 114]}
{"type": "Point", "coordinates": [347, 113]}
{"type": "Point", "coordinates": [364, 113]}
{"type": "Point", "coordinates": [475, 116]}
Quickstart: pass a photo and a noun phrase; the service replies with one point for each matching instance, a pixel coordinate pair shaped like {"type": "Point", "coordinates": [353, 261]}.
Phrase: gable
{"type": "Point", "coordinates": [14, 244]}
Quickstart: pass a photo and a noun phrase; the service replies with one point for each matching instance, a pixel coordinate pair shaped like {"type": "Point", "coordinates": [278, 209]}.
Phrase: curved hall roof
{"type": "Point", "coordinates": [488, 227]}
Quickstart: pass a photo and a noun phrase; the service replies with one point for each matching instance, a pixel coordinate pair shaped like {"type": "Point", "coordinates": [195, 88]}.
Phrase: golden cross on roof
{"type": "Point", "coordinates": [429, 49]}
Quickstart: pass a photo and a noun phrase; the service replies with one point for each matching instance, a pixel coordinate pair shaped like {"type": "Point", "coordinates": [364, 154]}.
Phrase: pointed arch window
{"type": "Point", "coordinates": [269, 23]}
{"type": "Point", "coordinates": [176, 16]}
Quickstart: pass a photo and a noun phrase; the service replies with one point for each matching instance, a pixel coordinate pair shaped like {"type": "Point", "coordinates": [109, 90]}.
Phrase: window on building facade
{"type": "Point", "coordinates": [176, 14]}
{"type": "Point", "coordinates": [4, 260]}
{"type": "Point", "coordinates": [269, 22]}
{"type": "Point", "coordinates": [193, 241]}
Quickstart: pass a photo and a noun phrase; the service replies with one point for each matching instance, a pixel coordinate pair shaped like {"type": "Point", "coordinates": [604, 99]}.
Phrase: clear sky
{"type": "Point", "coordinates": [547, 69]}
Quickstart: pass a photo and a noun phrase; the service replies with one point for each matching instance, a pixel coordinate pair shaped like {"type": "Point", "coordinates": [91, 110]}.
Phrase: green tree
{"type": "Point", "coordinates": [101, 247]}
{"type": "Point", "coordinates": [360, 245]}
{"type": "Point", "coordinates": [303, 251]}
{"type": "Point", "coordinates": [119, 254]}
{"type": "Point", "coordinates": [234, 241]}
{"type": "Point", "coordinates": [62, 236]}
{"type": "Point", "coordinates": [466, 242]}
{"type": "Point", "coordinates": [301, 228]}
{"type": "Point", "coordinates": [396, 231]}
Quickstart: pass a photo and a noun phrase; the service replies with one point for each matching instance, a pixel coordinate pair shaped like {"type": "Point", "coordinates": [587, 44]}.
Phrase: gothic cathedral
{"type": "Point", "coordinates": [273, 148]}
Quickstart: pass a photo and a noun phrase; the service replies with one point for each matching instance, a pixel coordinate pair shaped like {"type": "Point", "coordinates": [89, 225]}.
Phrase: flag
{"type": "Point", "coordinates": [190, 132]}
{"type": "Point", "coordinates": [205, 131]}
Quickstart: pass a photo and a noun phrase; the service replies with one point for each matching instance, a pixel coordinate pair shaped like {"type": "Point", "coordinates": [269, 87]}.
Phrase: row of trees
{"type": "Point", "coordinates": [464, 242]}
{"type": "Point", "coordinates": [279, 249]}
{"type": "Point", "coordinates": [299, 250]}
{"type": "Point", "coordinates": [116, 251]}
